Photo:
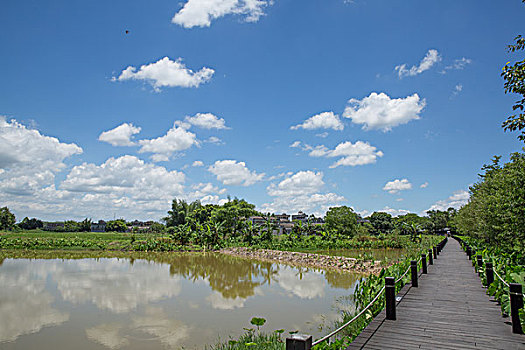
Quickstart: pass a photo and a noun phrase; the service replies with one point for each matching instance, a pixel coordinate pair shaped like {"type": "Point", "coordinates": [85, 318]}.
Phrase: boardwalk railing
{"type": "Point", "coordinates": [304, 342]}
{"type": "Point", "coordinates": [514, 290]}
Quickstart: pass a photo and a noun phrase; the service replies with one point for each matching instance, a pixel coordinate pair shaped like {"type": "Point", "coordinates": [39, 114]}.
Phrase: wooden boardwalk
{"type": "Point", "coordinates": [449, 310]}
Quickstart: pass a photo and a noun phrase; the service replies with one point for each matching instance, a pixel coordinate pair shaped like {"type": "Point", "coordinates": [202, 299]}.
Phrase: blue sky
{"type": "Point", "coordinates": [391, 106]}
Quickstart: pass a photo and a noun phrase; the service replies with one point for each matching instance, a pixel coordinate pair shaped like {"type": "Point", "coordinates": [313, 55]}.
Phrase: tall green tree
{"type": "Point", "coordinates": [514, 76]}
{"type": "Point", "coordinates": [7, 219]}
{"type": "Point", "coordinates": [381, 222]}
{"type": "Point", "coordinates": [342, 219]}
{"type": "Point", "coordinates": [496, 209]}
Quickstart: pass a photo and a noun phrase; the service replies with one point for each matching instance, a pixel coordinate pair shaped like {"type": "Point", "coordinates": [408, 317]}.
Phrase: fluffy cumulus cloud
{"type": "Point", "coordinates": [197, 163]}
{"type": "Point", "coordinates": [177, 139]}
{"type": "Point", "coordinates": [325, 120]}
{"type": "Point", "coordinates": [397, 185]}
{"type": "Point", "coordinates": [456, 201]}
{"type": "Point", "coordinates": [431, 58]}
{"type": "Point", "coordinates": [167, 73]}
{"type": "Point", "coordinates": [126, 176]}
{"type": "Point", "coordinates": [197, 13]}
{"type": "Point", "coordinates": [231, 172]}
{"type": "Point", "coordinates": [350, 154]}
{"type": "Point", "coordinates": [28, 159]}
{"type": "Point", "coordinates": [207, 121]}
{"type": "Point", "coordinates": [301, 191]}
{"type": "Point", "coordinates": [379, 111]}
{"type": "Point", "coordinates": [206, 193]}
{"type": "Point", "coordinates": [121, 135]}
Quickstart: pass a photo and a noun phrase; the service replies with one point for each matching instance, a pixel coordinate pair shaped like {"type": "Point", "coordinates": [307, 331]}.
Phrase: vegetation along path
{"type": "Point", "coordinates": [449, 310]}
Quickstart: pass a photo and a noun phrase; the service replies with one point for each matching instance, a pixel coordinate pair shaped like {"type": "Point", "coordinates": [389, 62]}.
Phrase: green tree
{"type": "Point", "coordinates": [118, 225]}
{"type": "Point", "coordinates": [30, 224]}
{"type": "Point", "coordinates": [496, 209]}
{"type": "Point", "coordinates": [342, 220]}
{"type": "Point", "coordinates": [381, 222]}
{"type": "Point", "coordinates": [7, 219]}
{"type": "Point", "coordinates": [514, 76]}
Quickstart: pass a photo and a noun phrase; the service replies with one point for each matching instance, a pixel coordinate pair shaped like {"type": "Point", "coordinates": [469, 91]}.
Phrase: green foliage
{"type": "Point", "coordinates": [253, 340]}
{"type": "Point", "coordinates": [30, 224]}
{"type": "Point", "coordinates": [342, 220]}
{"type": "Point", "coordinates": [514, 77]}
{"type": "Point", "coordinates": [7, 219]}
{"type": "Point", "coordinates": [381, 222]}
{"type": "Point", "coordinates": [495, 213]}
{"type": "Point", "coordinates": [115, 226]}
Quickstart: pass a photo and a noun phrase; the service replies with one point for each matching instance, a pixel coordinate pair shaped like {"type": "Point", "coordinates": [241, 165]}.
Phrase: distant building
{"type": "Point", "coordinates": [53, 226]}
{"type": "Point", "coordinates": [100, 226]}
{"type": "Point", "coordinates": [283, 217]}
{"type": "Point", "coordinates": [300, 217]}
{"type": "Point", "coordinates": [139, 226]}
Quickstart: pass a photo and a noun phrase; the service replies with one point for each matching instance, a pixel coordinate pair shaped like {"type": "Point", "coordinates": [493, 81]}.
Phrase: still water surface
{"type": "Point", "coordinates": [159, 301]}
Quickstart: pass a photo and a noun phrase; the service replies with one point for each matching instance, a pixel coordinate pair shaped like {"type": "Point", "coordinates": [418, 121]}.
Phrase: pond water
{"type": "Point", "coordinates": [159, 301]}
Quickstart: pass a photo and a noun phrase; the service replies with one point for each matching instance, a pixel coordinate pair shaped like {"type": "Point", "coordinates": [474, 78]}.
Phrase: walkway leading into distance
{"type": "Point", "coordinates": [449, 310]}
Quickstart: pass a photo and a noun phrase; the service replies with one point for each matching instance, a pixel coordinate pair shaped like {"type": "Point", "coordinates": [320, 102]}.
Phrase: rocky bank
{"type": "Point", "coordinates": [339, 263]}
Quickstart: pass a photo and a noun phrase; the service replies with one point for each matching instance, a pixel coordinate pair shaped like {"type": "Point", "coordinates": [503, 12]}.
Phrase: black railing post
{"type": "Point", "coordinates": [489, 271]}
{"type": "Point", "coordinates": [434, 249]}
{"type": "Point", "coordinates": [413, 272]}
{"type": "Point", "coordinates": [516, 303]}
{"type": "Point", "coordinates": [480, 264]}
{"type": "Point", "coordinates": [299, 342]}
{"type": "Point", "coordinates": [469, 252]}
{"type": "Point", "coordinates": [390, 296]}
{"type": "Point", "coordinates": [424, 263]}
{"type": "Point", "coordinates": [430, 260]}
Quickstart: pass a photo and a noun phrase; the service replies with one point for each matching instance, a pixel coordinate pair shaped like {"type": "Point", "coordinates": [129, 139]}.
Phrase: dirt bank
{"type": "Point", "coordinates": [339, 263]}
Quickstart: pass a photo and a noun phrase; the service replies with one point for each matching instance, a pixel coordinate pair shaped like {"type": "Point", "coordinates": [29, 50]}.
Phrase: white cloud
{"type": "Point", "coordinates": [196, 13]}
{"type": "Point", "coordinates": [295, 144]}
{"type": "Point", "coordinates": [324, 120]}
{"type": "Point", "coordinates": [395, 212]}
{"type": "Point", "coordinates": [121, 135]}
{"type": "Point", "coordinates": [352, 154]}
{"type": "Point", "coordinates": [458, 64]}
{"type": "Point", "coordinates": [215, 140]}
{"type": "Point", "coordinates": [219, 302]}
{"type": "Point", "coordinates": [457, 89]}
{"type": "Point", "coordinates": [125, 176]}
{"type": "Point", "coordinates": [166, 72]}
{"type": "Point", "coordinates": [28, 159]}
{"type": "Point", "coordinates": [301, 183]}
{"type": "Point", "coordinates": [322, 135]}
{"type": "Point", "coordinates": [26, 306]}
{"type": "Point", "coordinates": [301, 191]}
{"type": "Point", "coordinates": [177, 139]}
{"type": "Point", "coordinates": [456, 201]}
{"type": "Point", "coordinates": [379, 111]}
{"type": "Point", "coordinates": [397, 185]}
{"type": "Point", "coordinates": [431, 58]}
{"type": "Point", "coordinates": [206, 193]}
{"type": "Point", "coordinates": [308, 286]}
{"type": "Point", "coordinates": [424, 185]}
{"type": "Point", "coordinates": [207, 121]}
{"type": "Point", "coordinates": [231, 172]}
{"type": "Point", "coordinates": [197, 163]}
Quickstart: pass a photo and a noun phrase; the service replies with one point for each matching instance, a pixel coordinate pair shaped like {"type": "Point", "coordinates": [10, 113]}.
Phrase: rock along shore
{"type": "Point", "coordinates": [339, 263]}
